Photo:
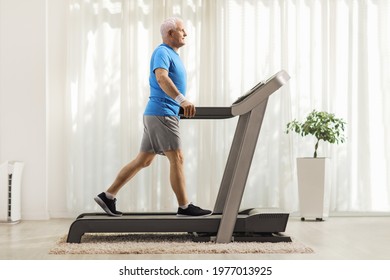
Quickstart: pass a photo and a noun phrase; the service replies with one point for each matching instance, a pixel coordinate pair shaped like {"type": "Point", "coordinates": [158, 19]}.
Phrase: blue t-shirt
{"type": "Point", "coordinates": [161, 104]}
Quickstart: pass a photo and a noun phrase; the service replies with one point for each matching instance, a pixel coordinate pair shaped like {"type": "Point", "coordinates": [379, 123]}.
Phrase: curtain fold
{"type": "Point", "coordinates": [337, 53]}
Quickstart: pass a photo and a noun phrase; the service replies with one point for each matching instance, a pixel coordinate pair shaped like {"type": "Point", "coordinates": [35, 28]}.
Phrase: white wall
{"type": "Point", "coordinates": [28, 73]}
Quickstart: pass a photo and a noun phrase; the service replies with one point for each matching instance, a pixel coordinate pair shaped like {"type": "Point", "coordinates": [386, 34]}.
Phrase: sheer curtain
{"type": "Point", "coordinates": [336, 52]}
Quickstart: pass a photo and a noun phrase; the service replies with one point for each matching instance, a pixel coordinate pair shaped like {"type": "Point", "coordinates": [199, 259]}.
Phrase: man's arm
{"type": "Point", "coordinates": [169, 88]}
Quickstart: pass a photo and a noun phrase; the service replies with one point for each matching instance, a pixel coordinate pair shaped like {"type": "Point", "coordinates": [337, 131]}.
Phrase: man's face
{"type": "Point", "coordinates": [178, 35]}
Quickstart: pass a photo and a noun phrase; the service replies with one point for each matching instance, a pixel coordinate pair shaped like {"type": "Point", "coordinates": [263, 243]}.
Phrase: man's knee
{"type": "Point", "coordinates": [180, 158]}
{"type": "Point", "coordinates": [175, 157]}
{"type": "Point", "coordinates": [146, 163]}
{"type": "Point", "coordinates": [144, 160]}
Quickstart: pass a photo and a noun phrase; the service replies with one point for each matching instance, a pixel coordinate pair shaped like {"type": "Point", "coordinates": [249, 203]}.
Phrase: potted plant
{"type": "Point", "coordinates": [313, 180]}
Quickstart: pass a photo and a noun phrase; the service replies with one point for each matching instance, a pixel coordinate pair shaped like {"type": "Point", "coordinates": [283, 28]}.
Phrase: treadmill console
{"type": "Point", "coordinates": [243, 97]}
{"type": "Point", "coordinates": [259, 93]}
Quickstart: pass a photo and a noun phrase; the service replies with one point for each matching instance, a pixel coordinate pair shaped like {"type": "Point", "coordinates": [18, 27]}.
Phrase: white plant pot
{"type": "Point", "coordinates": [314, 188]}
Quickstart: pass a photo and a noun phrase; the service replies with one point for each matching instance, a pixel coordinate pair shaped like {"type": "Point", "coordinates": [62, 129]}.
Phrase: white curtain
{"type": "Point", "coordinates": [336, 52]}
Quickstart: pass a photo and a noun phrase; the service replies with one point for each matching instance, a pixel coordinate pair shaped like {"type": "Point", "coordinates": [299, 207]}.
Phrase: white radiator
{"type": "Point", "coordinates": [10, 191]}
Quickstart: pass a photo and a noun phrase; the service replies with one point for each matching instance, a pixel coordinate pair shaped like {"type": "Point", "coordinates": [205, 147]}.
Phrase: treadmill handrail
{"type": "Point", "coordinates": [249, 101]}
{"type": "Point", "coordinates": [210, 113]}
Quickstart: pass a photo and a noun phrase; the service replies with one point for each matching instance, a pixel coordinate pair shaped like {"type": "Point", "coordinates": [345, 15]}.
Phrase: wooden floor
{"type": "Point", "coordinates": [338, 238]}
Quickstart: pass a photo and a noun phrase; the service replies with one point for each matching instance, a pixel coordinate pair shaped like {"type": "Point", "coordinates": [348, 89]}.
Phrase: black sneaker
{"type": "Point", "coordinates": [193, 211]}
{"type": "Point", "coordinates": [107, 204]}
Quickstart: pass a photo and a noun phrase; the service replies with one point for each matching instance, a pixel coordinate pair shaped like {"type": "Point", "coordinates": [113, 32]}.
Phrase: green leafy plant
{"type": "Point", "coordinates": [322, 125]}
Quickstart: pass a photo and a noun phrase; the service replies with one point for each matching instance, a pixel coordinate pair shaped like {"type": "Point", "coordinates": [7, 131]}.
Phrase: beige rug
{"type": "Point", "coordinates": [152, 243]}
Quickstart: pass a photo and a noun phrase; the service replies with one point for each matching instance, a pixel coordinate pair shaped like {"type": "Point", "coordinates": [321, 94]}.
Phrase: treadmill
{"type": "Point", "coordinates": [227, 223]}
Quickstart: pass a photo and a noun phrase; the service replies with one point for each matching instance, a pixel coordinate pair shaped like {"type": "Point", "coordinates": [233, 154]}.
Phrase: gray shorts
{"type": "Point", "coordinates": [160, 134]}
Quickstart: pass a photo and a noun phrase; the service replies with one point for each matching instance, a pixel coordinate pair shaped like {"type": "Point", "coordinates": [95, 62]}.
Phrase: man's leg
{"type": "Point", "coordinates": [177, 176]}
{"type": "Point", "coordinates": [179, 186]}
{"type": "Point", "coordinates": [107, 199]}
{"type": "Point", "coordinates": [142, 160]}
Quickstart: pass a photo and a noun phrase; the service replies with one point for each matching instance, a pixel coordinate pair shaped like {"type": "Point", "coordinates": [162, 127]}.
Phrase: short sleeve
{"type": "Point", "coordinates": [161, 59]}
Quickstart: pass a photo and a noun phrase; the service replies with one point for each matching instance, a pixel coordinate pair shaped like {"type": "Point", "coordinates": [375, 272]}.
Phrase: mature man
{"type": "Point", "coordinates": [168, 81]}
